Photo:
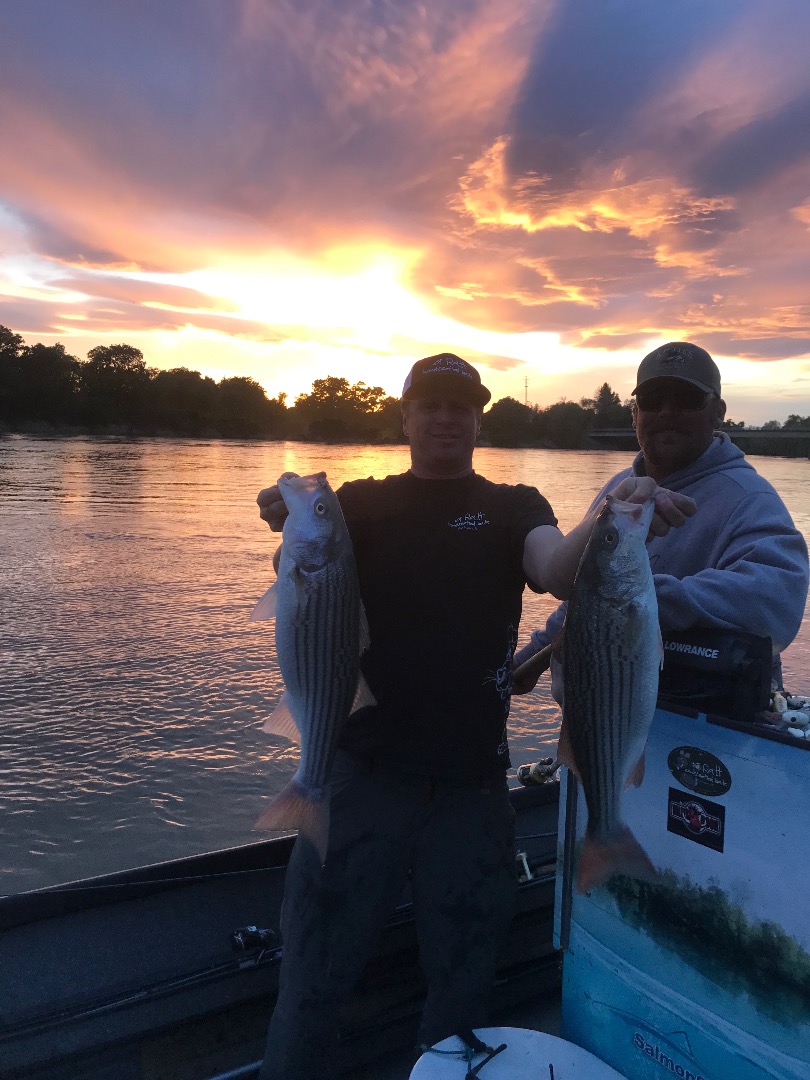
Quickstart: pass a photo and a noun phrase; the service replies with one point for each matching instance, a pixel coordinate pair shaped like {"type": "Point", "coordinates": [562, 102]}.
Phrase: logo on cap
{"type": "Point", "coordinates": [447, 364]}
{"type": "Point", "coordinates": [445, 371]}
{"type": "Point", "coordinates": [672, 360]}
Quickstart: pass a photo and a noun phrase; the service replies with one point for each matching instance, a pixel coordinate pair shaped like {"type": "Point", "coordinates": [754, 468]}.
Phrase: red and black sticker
{"type": "Point", "coordinates": [696, 819]}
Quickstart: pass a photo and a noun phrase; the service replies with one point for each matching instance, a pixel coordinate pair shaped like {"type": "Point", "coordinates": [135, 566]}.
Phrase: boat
{"type": "Point", "coordinates": [170, 971]}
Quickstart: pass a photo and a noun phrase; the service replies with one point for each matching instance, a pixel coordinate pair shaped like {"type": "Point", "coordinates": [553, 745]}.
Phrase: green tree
{"type": "Point", "coordinates": [243, 410]}
{"type": "Point", "coordinates": [11, 344]}
{"type": "Point", "coordinates": [794, 421]}
{"type": "Point", "coordinates": [337, 411]}
{"type": "Point", "coordinates": [509, 423]}
{"type": "Point", "coordinates": [567, 424]}
{"type": "Point", "coordinates": [115, 383]}
{"type": "Point", "coordinates": [47, 385]}
{"type": "Point", "coordinates": [183, 402]}
{"type": "Point", "coordinates": [771, 425]}
{"type": "Point", "coordinates": [11, 348]}
{"type": "Point", "coordinates": [607, 408]}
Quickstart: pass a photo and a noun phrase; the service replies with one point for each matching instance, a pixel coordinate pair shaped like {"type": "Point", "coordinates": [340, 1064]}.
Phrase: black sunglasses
{"type": "Point", "coordinates": [681, 396]}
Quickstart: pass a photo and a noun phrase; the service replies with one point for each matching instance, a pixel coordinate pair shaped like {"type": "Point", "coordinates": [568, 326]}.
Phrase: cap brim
{"type": "Point", "coordinates": [457, 387]}
{"type": "Point", "coordinates": [680, 378]}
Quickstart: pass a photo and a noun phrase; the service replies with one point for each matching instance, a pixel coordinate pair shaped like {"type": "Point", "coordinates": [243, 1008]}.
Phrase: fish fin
{"type": "Point", "coordinates": [660, 650]}
{"type": "Point", "coordinates": [282, 722]}
{"type": "Point", "coordinates": [365, 638]}
{"type": "Point", "coordinates": [266, 607]}
{"type": "Point", "coordinates": [636, 777]}
{"type": "Point", "coordinates": [296, 807]}
{"type": "Point", "coordinates": [565, 752]}
{"type": "Point", "coordinates": [600, 860]}
{"type": "Point", "coordinates": [363, 696]}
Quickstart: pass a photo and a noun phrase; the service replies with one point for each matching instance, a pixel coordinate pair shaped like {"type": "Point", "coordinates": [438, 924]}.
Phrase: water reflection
{"type": "Point", "coordinates": [132, 684]}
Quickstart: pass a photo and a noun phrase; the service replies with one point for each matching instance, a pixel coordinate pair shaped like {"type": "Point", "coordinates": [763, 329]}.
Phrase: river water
{"type": "Point", "coordinates": [133, 686]}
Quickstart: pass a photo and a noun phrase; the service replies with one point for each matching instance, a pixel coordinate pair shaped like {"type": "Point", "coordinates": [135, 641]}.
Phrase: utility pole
{"type": "Point", "coordinates": [526, 390]}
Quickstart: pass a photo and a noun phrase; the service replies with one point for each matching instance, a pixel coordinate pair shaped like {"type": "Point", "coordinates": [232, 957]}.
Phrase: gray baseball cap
{"type": "Point", "coordinates": [680, 360]}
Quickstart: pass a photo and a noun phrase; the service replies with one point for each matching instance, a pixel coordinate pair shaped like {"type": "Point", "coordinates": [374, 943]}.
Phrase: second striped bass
{"type": "Point", "coordinates": [320, 633]}
{"type": "Point", "coordinates": [612, 656]}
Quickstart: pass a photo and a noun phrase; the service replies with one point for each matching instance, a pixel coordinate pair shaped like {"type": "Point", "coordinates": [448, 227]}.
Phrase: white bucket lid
{"type": "Point", "coordinates": [529, 1055]}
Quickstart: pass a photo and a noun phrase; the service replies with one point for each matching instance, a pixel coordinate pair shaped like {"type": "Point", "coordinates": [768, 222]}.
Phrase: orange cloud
{"type": "Point", "coordinates": [492, 198]}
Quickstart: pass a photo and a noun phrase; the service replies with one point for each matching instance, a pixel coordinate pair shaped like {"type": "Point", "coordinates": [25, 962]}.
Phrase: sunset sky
{"type": "Point", "coordinates": [290, 189]}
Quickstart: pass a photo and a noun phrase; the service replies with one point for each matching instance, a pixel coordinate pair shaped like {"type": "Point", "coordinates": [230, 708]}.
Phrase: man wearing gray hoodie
{"type": "Point", "coordinates": [739, 563]}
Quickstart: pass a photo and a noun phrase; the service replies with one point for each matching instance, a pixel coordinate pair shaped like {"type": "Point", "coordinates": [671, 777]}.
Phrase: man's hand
{"type": "Point", "coordinates": [550, 559]}
{"type": "Point", "coordinates": [272, 507]}
{"type": "Point", "coordinates": [273, 510]}
{"type": "Point", "coordinates": [671, 507]}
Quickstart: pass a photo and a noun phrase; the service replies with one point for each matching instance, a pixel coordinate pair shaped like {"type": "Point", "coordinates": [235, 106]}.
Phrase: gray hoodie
{"type": "Point", "coordinates": [738, 564]}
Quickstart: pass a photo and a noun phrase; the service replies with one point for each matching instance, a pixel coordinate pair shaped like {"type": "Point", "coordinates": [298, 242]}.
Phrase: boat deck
{"type": "Point", "coordinates": [149, 984]}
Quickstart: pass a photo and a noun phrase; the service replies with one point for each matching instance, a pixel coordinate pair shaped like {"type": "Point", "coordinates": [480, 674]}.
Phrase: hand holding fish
{"type": "Point", "coordinates": [550, 559]}
{"type": "Point", "coordinates": [671, 507]}
{"type": "Point", "coordinates": [272, 507]}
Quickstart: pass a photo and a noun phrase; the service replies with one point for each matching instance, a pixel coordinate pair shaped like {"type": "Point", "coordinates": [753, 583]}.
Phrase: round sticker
{"type": "Point", "coordinates": [699, 771]}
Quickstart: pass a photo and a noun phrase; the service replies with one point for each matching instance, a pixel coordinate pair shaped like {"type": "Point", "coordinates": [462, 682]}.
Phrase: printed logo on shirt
{"type": "Point", "coordinates": [468, 522]}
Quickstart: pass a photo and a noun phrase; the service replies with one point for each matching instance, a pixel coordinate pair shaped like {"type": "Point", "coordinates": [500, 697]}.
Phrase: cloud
{"type": "Point", "coordinates": [629, 197]}
{"type": "Point", "coordinates": [281, 123]}
{"type": "Point", "coordinates": [608, 171]}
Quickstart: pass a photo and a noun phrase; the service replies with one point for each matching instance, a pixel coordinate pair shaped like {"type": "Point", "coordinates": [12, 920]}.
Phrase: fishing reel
{"type": "Point", "coordinates": [247, 938]}
{"type": "Point", "coordinates": [542, 772]}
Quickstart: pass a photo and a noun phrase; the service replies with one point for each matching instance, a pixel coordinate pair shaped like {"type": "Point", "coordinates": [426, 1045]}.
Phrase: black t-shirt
{"type": "Point", "coordinates": [441, 576]}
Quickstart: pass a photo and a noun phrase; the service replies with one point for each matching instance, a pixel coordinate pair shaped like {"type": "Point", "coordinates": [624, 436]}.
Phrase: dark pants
{"type": "Point", "coordinates": [456, 843]}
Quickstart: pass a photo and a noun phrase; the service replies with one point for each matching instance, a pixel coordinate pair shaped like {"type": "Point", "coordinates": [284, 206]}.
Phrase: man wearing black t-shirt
{"type": "Point", "coordinates": [419, 787]}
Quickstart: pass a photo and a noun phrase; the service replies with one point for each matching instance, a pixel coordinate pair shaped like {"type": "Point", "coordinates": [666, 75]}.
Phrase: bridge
{"type": "Point", "coordinates": [790, 443]}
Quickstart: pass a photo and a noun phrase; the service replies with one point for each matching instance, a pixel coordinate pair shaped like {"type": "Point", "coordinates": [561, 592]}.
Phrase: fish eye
{"type": "Point", "coordinates": [611, 538]}
{"type": "Point", "coordinates": [320, 508]}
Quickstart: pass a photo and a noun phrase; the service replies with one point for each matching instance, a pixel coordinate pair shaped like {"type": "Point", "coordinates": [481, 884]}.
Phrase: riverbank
{"type": "Point", "coordinates": [753, 441]}
{"type": "Point", "coordinates": [792, 443]}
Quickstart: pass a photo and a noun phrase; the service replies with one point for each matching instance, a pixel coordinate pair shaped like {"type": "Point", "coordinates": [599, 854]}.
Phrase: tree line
{"type": "Point", "coordinates": [717, 936]}
{"type": "Point", "coordinates": [113, 391]}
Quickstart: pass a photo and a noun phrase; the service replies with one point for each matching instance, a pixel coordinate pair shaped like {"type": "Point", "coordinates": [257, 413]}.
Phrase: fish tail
{"type": "Point", "coordinates": [297, 807]}
{"type": "Point", "coordinates": [621, 854]}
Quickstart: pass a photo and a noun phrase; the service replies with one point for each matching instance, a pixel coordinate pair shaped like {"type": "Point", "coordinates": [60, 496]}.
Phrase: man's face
{"type": "Point", "coordinates": [674, 422]}
{"type": "Point", "coordinates": [442, 433]}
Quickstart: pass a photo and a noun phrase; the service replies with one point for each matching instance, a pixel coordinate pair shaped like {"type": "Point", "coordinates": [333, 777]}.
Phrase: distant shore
{"type": "Point", "coordinates": [752, 441]}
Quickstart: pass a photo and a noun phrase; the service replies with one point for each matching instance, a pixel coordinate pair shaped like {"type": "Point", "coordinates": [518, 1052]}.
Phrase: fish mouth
{"type": "Point", "coordinates": [295, 482]}
{"type": "Point", "coordinates": [641, 512]}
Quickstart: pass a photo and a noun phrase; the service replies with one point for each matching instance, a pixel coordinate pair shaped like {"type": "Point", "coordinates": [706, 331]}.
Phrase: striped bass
{"type": "Point", "coordinates": [612, 655]}
{"type": "Point", "coordinates": [320, 633]}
